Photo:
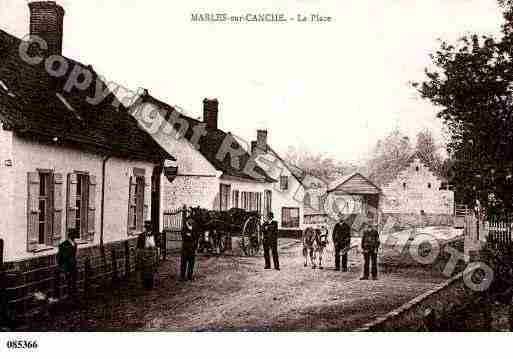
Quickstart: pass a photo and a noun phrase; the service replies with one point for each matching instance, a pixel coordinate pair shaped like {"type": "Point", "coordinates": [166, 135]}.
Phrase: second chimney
{"type": "Point", "coordinates": [262, 140]}
{"type": "Point", "coordinates": [46, 21]}
{"type": "Point", "coordinates": [210, 112]}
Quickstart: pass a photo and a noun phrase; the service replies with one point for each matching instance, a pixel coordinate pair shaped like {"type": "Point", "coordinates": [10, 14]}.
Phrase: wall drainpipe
{"type": "Point", "coordinates": [102, 209]}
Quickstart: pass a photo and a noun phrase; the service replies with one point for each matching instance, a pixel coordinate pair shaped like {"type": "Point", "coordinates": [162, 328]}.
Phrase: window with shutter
{"type": "Point", "coordinates": [147, 200]}
{"type": "Point", "coordinates": [235, 199]}
{"type": "Point", "coordinates": [268, 202]}
{"type": "Point", "coordinates": [91, 210]}
{"type": "Point", "coordinates": [33, 211]}
{"type": "Point", "coordinates": [132, 220]}
{"type": "Point", "coordinates": [224, 196]}
{"type": "Point", "coordinates": [138, 208]}
{"type": "Point", "coordinates": [44, 209]}
{"type": "Point", "coordinates": [58, 215]}
{"type": "Point", "coordinates": [78, 207]}
{"type": "Point", "coordinates": [71, 210]}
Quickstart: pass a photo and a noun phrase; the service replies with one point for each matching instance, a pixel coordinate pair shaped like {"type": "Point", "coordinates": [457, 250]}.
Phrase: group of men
{"type": "Point", "coordinates": [341, 237]}
{"type": "Point", "coordinates": [370, 244]}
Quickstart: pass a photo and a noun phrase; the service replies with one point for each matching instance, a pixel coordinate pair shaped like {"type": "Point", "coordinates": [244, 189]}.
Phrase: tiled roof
{"type": "Point", "coordinates": [36, 105]}
{"type": "Point", "coordinates": [210, 143]}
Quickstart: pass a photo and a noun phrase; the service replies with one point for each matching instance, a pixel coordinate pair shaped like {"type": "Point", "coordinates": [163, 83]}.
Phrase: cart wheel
{"type": "Point", "coordinates": [251, 237]}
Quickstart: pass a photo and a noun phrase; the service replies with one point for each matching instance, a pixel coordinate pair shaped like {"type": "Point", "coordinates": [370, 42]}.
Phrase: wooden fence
{"type": "Point", "coordinates": [499, 235]}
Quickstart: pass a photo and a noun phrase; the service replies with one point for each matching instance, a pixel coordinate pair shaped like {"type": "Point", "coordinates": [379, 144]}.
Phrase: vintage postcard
{"type": "Point", "coordinates": [243, 166]}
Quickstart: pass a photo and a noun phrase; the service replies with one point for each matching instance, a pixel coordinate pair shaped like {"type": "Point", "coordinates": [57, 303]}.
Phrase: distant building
{"type": "Point", "coordinates": [288, 191]}
{"type": "Point", "coordinates": [354, 196]}
{"type": "Point", "coordinates": [417, 190]}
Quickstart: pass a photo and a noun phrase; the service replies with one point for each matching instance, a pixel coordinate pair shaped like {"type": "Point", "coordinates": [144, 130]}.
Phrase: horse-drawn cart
{"type": "Point", "coordinates": [219, 227]}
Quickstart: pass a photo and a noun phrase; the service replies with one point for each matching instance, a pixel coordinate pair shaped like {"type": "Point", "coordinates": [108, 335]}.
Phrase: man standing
{"type": "Point", "coordinates": [370, 245]}
{"type": "Point", "coordinates": [190, 238]}
{"type": "Point", "coordinates": [270, 233]}
{"type": "Point", "coordinates": [342, 240]}
{"type": "Point", "coordinates": [67, 263]}
{"type": "Point", "coordinates": [148, 253]}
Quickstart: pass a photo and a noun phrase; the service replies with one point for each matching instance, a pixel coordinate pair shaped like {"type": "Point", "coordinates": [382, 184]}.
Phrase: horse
{"type": "Point", "coordinates": [314, 242]}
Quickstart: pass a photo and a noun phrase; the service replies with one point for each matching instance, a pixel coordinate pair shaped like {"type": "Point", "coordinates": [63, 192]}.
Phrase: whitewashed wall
{"type": "Point", "coordinates": [28, 156]}
{"type": "Point", "coordinates": [417, 196]}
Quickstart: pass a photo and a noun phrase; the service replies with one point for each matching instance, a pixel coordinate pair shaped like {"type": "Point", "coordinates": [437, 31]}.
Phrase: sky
{"type": "Point", "coordinates": [334, 88]}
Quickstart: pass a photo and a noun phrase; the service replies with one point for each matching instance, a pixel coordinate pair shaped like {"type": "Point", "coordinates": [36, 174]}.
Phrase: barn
{"type": "Point", "coordinates": [355, 195]}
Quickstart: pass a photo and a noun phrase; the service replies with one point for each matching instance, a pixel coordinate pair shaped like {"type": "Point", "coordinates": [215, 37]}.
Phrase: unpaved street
{"type": "Point", "coordinates": [234, 293]}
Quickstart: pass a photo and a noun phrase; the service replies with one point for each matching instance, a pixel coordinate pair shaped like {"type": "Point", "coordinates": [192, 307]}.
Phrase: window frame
{"type": "Point", "coordinates": [284, 183]}
{"type": "Point", "coordinates": [292, 222]}
{"type": "Point", "coordinates": [49, 205]}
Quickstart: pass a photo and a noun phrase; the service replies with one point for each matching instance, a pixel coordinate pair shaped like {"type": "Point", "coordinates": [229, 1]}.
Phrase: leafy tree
{"type": "Point", "coordinates": [427, 150]}
{"type": "Point", "coordinates": [472, 82]}
{"type": "Point", "coordinates": [389, 157]}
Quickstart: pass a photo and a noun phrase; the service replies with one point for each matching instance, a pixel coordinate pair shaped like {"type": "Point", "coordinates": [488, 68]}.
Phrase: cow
{"type": "Point", "coordinates": [314, 242]}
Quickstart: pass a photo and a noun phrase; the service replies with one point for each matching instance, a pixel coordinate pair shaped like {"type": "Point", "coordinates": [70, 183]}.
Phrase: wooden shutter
{"type": "Point", "coordinates": [71, 209]}
{"type": "Point", "coordinates": [58, 183]}
{"type": "Point", "coordinates": [147, 199]}
{"type": "Point", "coordinates": [131, 203]}
{"type": "Point", "coordinates": [91, 209]}
{"type": "Point", "coordinates": [33, 211]}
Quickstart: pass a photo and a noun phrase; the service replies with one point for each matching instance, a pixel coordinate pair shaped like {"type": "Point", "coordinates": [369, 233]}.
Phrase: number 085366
{"type": "Point", "coordinates": [22, 344]}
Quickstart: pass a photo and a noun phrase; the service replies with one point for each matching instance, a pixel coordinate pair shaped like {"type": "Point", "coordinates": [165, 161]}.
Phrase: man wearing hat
{"type": "Point", "coordinates": [270, 234]}
{"type": "Point", "coordinates": [190, 239]}
{"type": "Point", "coordinates": [370, 245]}
{"type": "Point", "coordinates": [147, 249]}
{"type": "Point", "coordinates": [341, 240]}
{"type": "Point", "coordinates": [67, 261]}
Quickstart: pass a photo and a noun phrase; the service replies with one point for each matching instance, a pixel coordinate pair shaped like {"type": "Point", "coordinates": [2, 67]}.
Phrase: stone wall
{"type": "Point", "coordinates": [454, 307]}
{"type": "Point", "coordinates": [406, 220]}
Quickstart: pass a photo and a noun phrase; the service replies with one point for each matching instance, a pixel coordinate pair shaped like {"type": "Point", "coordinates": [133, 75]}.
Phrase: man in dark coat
{"type": "Point", "coordinates": [147, 252]}
{"type": "Point", "coordinates": [341, 240]}
{"type": "Point", "coordinates": [370, 245]}
{"type": "Point", "coordinates": [270, 234]}
{"type": "Point", "coordinates": [190, 239]}
{"type": "Point", "coordinates": [67, 262]}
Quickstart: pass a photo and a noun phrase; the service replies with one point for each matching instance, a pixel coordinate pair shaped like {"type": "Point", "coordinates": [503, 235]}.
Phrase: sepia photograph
{"type": "Point", "coordinates": [292, 166]}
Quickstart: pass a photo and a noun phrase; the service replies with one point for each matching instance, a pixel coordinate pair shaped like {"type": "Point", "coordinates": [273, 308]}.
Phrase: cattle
{"type": "Point", "coordinates": [314, 242]}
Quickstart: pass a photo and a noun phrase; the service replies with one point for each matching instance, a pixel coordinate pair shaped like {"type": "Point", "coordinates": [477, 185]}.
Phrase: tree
{"type": "Point", "coordinates": [472, 82]}
{"type": "Point", "coordinates": [388, 158]}
{"type": "Point", "coordinates": [317, 164]}
{"type": "Point", "coordinates": [427, 150]}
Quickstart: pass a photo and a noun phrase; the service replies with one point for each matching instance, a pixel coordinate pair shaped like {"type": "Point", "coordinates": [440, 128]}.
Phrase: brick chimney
{"type": "Point", "coordinates": [210, 111]}
{"type": "Point", "coordinates": [46, 21]}
{"type": "Point", "coordinates": [260, 145]}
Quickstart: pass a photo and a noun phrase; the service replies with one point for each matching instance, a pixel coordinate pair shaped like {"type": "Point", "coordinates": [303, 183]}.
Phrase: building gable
{"type": "Point", "coordinates": [354, 184]}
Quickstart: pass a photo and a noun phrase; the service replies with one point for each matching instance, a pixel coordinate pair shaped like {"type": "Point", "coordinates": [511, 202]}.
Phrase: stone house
{"type": "Point", "coordinates": [66, 162]}
{"type": "Point", "coordinates": [288, 191]}
{"type": "Point", "coordinates": [212, 169]}
{"type": "Point", "coordinates": [416, 191]}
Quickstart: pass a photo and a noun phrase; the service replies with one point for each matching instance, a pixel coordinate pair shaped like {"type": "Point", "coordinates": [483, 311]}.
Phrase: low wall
{"type": "Point", "coordinates": [453, 306]}
{"type": "Point", "coordinates": [24, 278]}
{"type": "Point", "coordinates": [405, 220]}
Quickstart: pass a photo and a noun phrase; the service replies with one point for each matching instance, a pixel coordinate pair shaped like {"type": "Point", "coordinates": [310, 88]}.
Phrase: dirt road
{"type": "Point", "coordinates": [234, 293]}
